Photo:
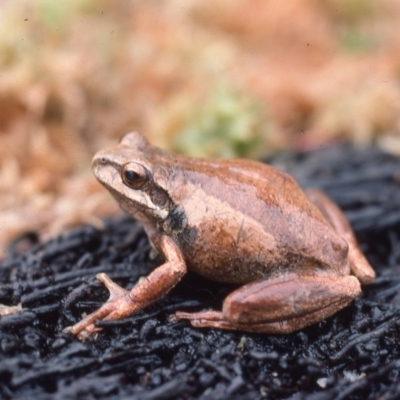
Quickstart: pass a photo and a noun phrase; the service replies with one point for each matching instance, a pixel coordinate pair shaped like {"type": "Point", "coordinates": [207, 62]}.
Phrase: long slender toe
{"type": "Point", "coordinates": [114, 289]}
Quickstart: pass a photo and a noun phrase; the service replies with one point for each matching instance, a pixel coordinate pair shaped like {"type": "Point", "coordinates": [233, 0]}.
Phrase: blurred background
{"type": "Point", "coordinates": [221, 78]}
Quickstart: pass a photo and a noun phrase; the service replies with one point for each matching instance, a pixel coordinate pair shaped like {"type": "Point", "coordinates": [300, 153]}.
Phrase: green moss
{"type": "Point", "coordinates": [354, 40]}
{"type": "Point", "coordinates": [228, 124]}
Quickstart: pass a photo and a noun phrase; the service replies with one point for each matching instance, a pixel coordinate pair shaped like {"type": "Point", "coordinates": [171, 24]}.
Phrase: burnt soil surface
{"type": "Point", "coordinates": [353, 355]}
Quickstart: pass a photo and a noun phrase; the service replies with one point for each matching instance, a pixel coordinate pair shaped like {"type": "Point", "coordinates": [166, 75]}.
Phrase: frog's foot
{"type": "Point", "coordinates": [217, 320]}
{"type": "Point", "coordinates": [119, 305]}
{"type": "Point", "coordinates": [280, 305]}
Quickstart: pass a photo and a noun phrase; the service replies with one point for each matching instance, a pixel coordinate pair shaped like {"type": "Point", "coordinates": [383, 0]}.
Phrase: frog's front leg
{"type": "Point", "coordinates": [123, 303]}
{"type": "Point", "coordinates": [280, 305]}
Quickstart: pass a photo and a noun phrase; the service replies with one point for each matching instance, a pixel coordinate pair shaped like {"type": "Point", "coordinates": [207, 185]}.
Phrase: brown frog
{"type": "Point", "coordinates": [234, 221]}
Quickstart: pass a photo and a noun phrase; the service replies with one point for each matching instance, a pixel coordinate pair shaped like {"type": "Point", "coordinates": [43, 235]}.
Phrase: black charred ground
{"type": "Point", "coordinates": [352, 355]}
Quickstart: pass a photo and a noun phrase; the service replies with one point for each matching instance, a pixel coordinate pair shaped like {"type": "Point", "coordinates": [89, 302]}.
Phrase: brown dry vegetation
{"type": "Point", "coordinates": [218, 78]}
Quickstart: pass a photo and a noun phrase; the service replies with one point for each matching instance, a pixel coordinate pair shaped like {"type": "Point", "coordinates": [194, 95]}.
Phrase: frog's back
{"type": "Point", "coordinates": [245, 220]}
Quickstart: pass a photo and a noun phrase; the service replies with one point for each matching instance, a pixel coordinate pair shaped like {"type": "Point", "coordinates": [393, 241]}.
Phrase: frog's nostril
{"type": "Point", "coordinates": [100, 160]}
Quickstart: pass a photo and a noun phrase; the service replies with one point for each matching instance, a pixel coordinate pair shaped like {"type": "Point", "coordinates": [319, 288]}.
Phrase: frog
{"type": "Point", "coordinates": [290, 253]}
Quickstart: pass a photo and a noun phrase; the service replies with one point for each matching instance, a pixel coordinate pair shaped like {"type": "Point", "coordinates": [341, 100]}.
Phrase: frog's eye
{"type": "Point", "coordinates": [134, 175]}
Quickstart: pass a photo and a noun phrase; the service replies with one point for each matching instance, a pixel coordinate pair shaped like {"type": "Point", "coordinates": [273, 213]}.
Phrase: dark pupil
{"type": "Point", "coordinates": [132, 176]}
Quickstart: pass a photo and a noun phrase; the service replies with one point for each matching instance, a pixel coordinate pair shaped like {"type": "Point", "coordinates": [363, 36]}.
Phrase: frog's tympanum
{"type": "Point", "coordinates": [291, 252]}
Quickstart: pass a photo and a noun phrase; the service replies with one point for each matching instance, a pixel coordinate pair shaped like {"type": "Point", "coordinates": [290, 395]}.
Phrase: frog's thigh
{"type": "Point", "coordinates": [359, 265]}
{"type": "Point", "coordinates": [280, 305]}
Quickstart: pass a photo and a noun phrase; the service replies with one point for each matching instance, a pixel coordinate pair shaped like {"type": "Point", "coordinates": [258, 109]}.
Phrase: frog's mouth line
{"type": "Point", "coordinates": [136, 203]}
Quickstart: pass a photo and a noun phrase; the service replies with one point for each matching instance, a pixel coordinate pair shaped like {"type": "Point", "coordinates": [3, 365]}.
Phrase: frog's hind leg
{"type": "Point", "coordinates": [280, 305]}
{"type": "Point", "coordinates": [359, 265]}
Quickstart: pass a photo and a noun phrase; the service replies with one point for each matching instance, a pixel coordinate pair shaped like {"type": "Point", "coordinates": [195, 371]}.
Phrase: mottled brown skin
{"type": "Point", "coordinates": [233, 221]}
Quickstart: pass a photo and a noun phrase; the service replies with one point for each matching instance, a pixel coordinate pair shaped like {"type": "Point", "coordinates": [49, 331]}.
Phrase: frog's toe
{"type": "Point", "coordinates": [206, 319]}
{"type": "Point", "coordinates": [202, 315]}
{"type": "Point", "coordinates": [86, 327]}
{"type": "Point", "coordinates": [89, 330]}
{"type": "Point", "coordinates": [119, 305]}
{"type": "Point", "coordinates": [114, 289]}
